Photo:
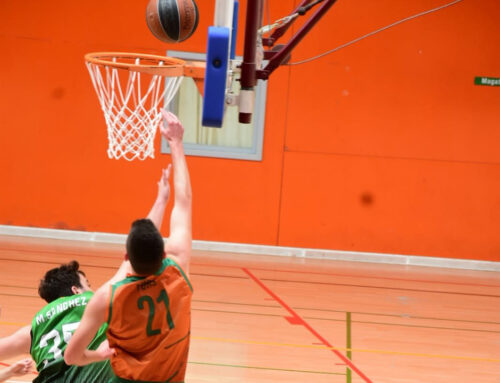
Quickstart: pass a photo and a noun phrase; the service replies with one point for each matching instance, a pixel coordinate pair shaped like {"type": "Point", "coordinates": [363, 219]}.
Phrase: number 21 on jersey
{"type": "Point", "coordinates": [161, 299]}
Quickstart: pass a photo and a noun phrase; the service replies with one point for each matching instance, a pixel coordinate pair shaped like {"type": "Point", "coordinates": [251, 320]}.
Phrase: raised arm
{"type": "Point", "coordinates": [93, 318]}
{"type": "Point", "coordinates": [158, 209]}
{"type": "Point", "coordinates": [16, 344]}
{"type": "Point", "coordinates": [179, 241]}
{"type": "Point", "coordinates": [155, 215]}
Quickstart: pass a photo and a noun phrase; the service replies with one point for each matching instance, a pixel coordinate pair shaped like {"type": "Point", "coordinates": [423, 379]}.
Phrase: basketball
{"type": "Point", "coordinates": [172, 21]}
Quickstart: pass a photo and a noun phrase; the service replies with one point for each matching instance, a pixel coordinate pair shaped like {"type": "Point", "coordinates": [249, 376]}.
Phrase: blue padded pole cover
{"type": "Point", "coordinates": [215, 76]}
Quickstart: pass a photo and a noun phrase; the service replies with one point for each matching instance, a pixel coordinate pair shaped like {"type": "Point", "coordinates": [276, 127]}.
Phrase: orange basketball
{"type": "Point", "coordinates": [172, 21]}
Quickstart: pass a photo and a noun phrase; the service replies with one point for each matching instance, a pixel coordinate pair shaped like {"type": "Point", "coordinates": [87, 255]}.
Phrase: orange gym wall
{"type": "Point", "coordinates": [384, 146]}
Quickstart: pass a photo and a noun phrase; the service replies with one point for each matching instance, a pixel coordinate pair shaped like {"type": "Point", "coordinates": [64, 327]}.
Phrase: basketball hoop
{"type": "Point", "coordinates": [131, 89]}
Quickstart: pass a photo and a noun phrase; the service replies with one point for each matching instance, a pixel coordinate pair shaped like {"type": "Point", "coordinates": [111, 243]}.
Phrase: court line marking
{"type": "Point", "coordinates": [233, 366]}
{"type": "Point", "coordinates": [401, 316]}
{"type": "Point", "coordinates": [44, 234]}
{"type": "Point", "coordinates": [383, 288]}
{"type": "Point", "coordinates": [348, 275]}
{"type": "Point", "coordinates": [371, 351]}
{"type": "Point", "coordinates": [323, 347]}
{"type": "Point", "coordinates": [355, 285]}
{"type": "Point", "coordinates": [321, 319]}
{"type": "Point", "coordinates": [316, 309]}
{"type": "Point", "coordinates": [308, 282]}
{"type": "Point", "coordinates": [12, 324]}
{"type": "Point", "coordinates": [354, 321]}
{"type": "Point", "coordinates": [298, 319]}
{"type": "Point", "coordinates": [348, 345]}
{"type": "Point", "coordinates": [120, 256]}
{"type": "Point", "coordinates": [268, 368]}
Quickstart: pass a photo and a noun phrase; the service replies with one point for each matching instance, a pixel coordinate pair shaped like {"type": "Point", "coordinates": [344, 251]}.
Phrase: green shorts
{"type": "Point", "coordinates": [99, 372]}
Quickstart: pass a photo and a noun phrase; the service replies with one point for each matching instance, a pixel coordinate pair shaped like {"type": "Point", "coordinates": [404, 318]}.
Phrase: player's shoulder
{"type": "Point", "coordinates": [178, 262]}
{"type": "Point", "coordinates": [101, 296]}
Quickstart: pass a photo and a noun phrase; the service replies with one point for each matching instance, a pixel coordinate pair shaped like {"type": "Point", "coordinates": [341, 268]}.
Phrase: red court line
{"type": "Point", "coordinates": [297, 319]}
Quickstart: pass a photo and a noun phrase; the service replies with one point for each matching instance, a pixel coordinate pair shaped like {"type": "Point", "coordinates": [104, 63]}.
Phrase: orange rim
{"type": "Point", "coordinates": [152, 64]}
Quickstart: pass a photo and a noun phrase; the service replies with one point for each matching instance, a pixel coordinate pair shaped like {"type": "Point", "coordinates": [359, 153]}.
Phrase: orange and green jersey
{"type": "Point", "coordinates": [149, 322]}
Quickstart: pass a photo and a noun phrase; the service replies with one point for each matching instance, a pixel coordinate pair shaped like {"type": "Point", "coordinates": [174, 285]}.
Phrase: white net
{"type": "Point", "coordinates": [131, 105]}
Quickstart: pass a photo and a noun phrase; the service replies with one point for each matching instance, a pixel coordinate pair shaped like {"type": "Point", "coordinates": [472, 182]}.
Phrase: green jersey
{"type": "Point", "coordinates": [51, 330]}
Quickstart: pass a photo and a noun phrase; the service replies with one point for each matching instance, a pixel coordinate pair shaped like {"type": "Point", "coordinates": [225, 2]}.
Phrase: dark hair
{"type": "Point", "coordinates": [58, 282]}
{"type": "Point", "coordinates": [145, 247]}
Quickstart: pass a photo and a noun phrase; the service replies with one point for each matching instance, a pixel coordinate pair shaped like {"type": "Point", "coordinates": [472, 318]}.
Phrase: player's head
{"type": "Point", "coordinates": [145, 247]}
{"type": "Point", "coordinates": [63, 281]}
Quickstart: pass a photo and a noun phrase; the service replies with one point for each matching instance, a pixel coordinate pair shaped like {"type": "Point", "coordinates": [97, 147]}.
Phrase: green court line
{"type": "Point", "coordinates": [20, 287]}
{"type": "Point", "coordinates": [409, 325]}
{"type": "Point", "coordinates": [237, 303]}
{"type": "Point", "coordinates": [396, 315]}
{"type": "Point", "coordinates": [305, 317]}
{"type": "Point", "coordinates": [240, 312]}
{"type": "Point", "coordinates": [19, 295]}
{"type": "Point", "coordinates": [430, 327]}
{"type": "Point", "coordinates": [267, 368]}
{"type": "Point", "coordinates": [382, 288]}
{"type": "Point", "coordinates": [348, 345]}
{"type": "Point", "coordinates": [341, 320]}
{"type": "Point", "coordinates": [342, 312]}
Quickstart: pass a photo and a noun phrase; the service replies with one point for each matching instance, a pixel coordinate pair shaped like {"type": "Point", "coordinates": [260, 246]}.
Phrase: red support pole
{"type": "Point", "coordinates": [248, 79]}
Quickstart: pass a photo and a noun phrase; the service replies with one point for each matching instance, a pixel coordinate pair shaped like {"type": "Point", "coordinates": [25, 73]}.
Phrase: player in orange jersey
{"type": "Point", "coordinates": [148, 312]}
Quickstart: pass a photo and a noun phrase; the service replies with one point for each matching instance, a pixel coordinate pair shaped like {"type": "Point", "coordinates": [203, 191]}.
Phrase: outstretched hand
{"type": "Point", "coordinates": [164, 184]}
{"type": "Point", "coordinates": [21, 367]}
{"type": "Point", "coordinates": [173, 131]}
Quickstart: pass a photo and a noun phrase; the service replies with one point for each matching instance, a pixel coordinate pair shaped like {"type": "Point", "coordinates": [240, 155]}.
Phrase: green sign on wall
{"type": "Point", "coordinates": [489, 81]}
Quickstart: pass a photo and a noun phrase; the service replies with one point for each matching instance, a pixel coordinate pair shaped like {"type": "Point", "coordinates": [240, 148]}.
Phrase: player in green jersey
{"type": "Point", "coordinates": [67, 292]}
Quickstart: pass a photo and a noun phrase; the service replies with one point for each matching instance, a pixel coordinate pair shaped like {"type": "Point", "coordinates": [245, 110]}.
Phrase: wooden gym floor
{"type": "Point", "coordinates": [280, 319]}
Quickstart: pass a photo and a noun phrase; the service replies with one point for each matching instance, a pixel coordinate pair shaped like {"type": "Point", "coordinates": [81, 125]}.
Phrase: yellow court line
{"type": "Point", "coordinates": [13, 324]}
{"type": "Point", "coordinates": [321, 347]}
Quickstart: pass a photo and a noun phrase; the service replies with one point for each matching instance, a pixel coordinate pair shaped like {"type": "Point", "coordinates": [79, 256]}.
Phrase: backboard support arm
{"type": "Point", "coordinates": [280, 31]}
{"type": "Point", "coordinates": [276, 58]}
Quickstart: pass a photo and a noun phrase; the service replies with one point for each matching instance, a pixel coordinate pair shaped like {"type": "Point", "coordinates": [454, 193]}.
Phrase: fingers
{"type": "Point", "coordinates": [164, 113]}
{"type": "Point", "coordinates": [27, 363]}
{"type": "Point", "coordinates": [165, 174]}
{"type": "Point", "coordinates": [22, 367]}
{"type": "Point", "coordinates": [169, 116]}
{"type": "Point", "coordinates": [172, 129]}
